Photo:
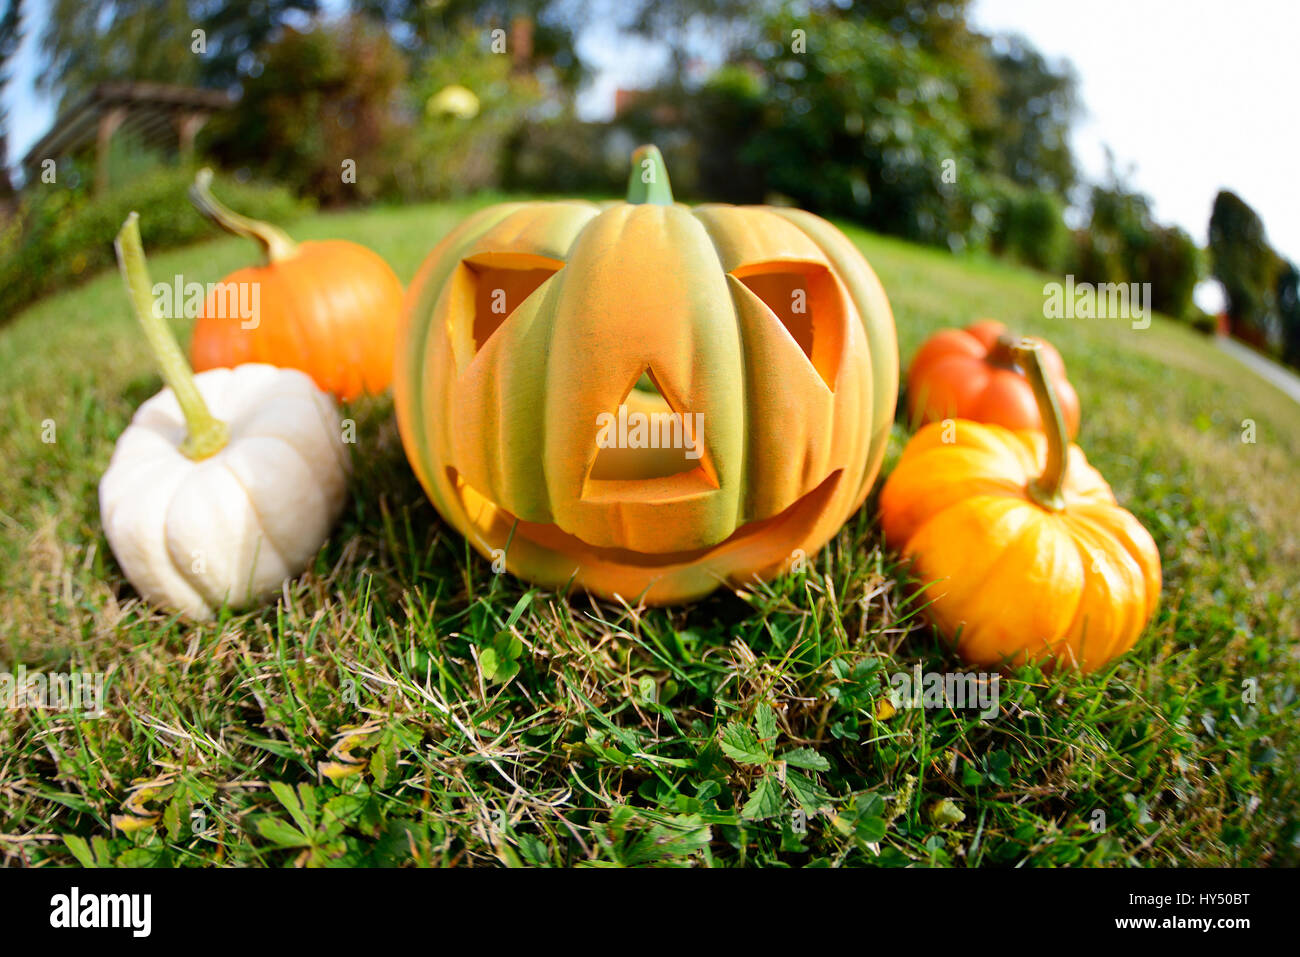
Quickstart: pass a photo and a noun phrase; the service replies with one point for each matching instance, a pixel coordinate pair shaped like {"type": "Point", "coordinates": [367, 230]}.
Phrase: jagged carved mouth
{"type": "Point", "coordinates": [496, 526]}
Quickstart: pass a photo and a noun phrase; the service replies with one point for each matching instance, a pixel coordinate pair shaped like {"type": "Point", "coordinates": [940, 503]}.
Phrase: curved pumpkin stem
{"type": "Point", "coordinates": [1046, 489]}
{"type": "Point", "coordinates": [648, 182]}
{"type": "Point", "coordinates": [207, 434]}
{"type": "Point", "coordinates": [1003, 352]}
{"type": "Point", "coordinates": [275, 242]}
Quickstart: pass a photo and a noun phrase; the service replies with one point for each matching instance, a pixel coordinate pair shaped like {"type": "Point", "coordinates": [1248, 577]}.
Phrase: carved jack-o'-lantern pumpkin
{"type": "Point", "coordinates": [645, 399]}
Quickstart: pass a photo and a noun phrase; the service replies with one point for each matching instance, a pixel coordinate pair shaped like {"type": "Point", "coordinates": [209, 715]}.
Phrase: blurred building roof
{"type": "Point", "coordinates": [156, 113]}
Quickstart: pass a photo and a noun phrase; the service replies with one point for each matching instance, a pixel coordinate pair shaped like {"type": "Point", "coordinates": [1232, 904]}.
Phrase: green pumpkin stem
{"type": "Point", "coordinates": [648, 182]}
{"type": "Point", "coordinates": [275, 242]}
{"type": "Point", "coordinates": [207, 434]}
{"type": "Point", "coordinates": [1046, 489]}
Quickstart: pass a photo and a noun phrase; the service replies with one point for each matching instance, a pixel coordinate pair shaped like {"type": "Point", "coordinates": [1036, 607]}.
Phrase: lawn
{"type": "Point", "coordinates": [355, 722]}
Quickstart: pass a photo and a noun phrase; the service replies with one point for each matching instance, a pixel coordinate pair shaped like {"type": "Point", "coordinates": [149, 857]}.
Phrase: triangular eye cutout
{"type": "Point", "coordinates": [807, 301]}
{"type": "Point", "coordinates": [646, 440]}
{"type": "Point", "coordinates": [502, 281]}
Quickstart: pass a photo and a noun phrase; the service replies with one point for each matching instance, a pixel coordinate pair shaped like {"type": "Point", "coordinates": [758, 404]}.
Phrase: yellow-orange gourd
{"type": "Point", "coordinates": [537, 331]}
{"type": "Point", "coordinates": [1021, 546]}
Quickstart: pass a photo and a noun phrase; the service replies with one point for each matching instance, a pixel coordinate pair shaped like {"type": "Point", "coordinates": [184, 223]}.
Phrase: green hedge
{"type": "Point", "coordinates": [1031, 229]}
{"type": "Point", "coordinates": [63, 236]}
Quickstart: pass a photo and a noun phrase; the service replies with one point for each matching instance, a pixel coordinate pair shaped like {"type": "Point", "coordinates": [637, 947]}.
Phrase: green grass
{"type": "Point", "coordinates": [355, 722]}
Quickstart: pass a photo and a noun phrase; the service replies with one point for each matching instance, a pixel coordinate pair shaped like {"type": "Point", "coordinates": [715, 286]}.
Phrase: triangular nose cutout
{"type": "Point", "coordinates": [645, 438]}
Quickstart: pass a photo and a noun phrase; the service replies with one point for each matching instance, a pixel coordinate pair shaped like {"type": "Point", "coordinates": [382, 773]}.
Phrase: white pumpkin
{"type": "Point", "coordinates": [227, 529]}
{"type": "Point", "coordinates": [217, 497]}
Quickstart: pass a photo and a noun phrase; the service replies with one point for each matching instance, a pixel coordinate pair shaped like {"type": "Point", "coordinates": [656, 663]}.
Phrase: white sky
{"type": "Point", "coordinates": [1195, 95]}
{"type": "Point", "coordinates": [1191, 95]}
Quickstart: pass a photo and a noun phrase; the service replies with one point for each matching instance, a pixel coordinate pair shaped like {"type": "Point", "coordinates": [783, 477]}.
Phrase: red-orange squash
{"type": "Point", "coordinates": [971, 374]}
{"type": "Point", "coordinates": [1019, 542]}
{"type": "Point", "coordinates": [536, 328]}
{"type": "Point", "coordinates": [328, 308]}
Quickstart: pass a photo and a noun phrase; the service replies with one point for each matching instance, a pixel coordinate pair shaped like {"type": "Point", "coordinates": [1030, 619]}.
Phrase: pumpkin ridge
{"type": "Point", "coordinates": [332, 292]}
{"type": "Point", "coordinates": [745, 510]}
{"type": "Point", "coordinates": [986, 485]}
{"type": "Point", "coordinates": [195, 579]}
{"type": "Point", "coordinates": [816, 458]}
{"type": "Point", "coordinates": [879, 338]}
{"type": "Point", "coordinates": [553, 290]}
{"type": "Point", "coordinates": [1027, 449]}
{"type": "Point", "coordinates": [1125, 629]}
{"type": "Point", "coordinates": [977, 642]}
{"type": "Point", "coordinates": [1053, 525]}
{"type": "Point", "coordinates": [492, 365]}
{"type": "Point", "coordinates": [124, 510]}
{"type": "Point", "coordinates": [867, 399]}
{"type": "Point", "coordinates": [298, 288]}
{"type": "Point", "coordinates": [421, 298]}
{"type": "Point", "coordinates": [1129, 543]}
{"type": "Point", "coordinates": [262, 527]}
{"type": "Point", "coordinates": [742, 511]}
{"type": "Point", "coordinates": [363, 292]}
{"type": "Point", "coordinates": [682, 245]}
{"type": "Point", "coordinates": [430, 302]}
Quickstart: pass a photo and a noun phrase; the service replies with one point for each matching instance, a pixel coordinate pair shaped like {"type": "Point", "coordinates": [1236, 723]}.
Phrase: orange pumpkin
{"type": "Point", "coordinates": [971, 374]}
{"type": "Point", "coordinates": [1023, 549]}
{"type": "Point", "coordinates": [536, 332]}
{"type": "Point", "coordinates": [328, 308]}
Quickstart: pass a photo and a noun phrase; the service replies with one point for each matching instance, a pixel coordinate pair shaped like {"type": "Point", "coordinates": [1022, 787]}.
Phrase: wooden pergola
{"type": "Point", "coordinates": [155, 113]}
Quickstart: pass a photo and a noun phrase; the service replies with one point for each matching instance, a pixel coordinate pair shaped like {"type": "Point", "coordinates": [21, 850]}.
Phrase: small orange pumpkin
{"type": "Point", "coordinates": [328, 308]}
{"type": "Point", "coordinates": [971, 374]}
{"type": "Point", "coordinates": [1023, 549]}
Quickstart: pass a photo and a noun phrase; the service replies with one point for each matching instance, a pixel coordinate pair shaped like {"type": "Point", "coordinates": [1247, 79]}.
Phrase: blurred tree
{"type": "Point", "coordinates": [1037, 104]}
{"type": "Point", "coordinates": [1117, 232]}
{"type": "Point", "coordinates": [942, 29]}
{"type": "Point", "coordinates": [1031, 229]}
{"type": "Point", "coordinates": [736, 28]}
{"type": "Point", "coordinates": [320, 114]}
{"type": "Point", "coordinates": [868, 124]}
{"type": "Point", "coordinates": [1123, 243]}
{"type": "Point", "coordinates": [1121, 219]}
{"type": "Point", "coordinates": [1288, 310]}
{"type": "Point", "coordinates": [1171, 261]}
{"type": "Point", "coordinates": [722, 117]}
{"type": "Point", "coordinates": [90, 41]}
{"type": "Point", "coordinates": [1246, 266]}
{"type": "Point", "coordinates": [1094, 258]}
{"type": "Point", "coordinates": [11, 22]}
{"type": "Point", "coordinates": [427, 30]}
{"type": "Point", "coordinates": [910, 120]}
{"type": "Point", "coordinates": [732, 27]}
{"type": "Point", "coordinates": [237, 30]}
{"type": "Point", "coordinates": [444, 155]}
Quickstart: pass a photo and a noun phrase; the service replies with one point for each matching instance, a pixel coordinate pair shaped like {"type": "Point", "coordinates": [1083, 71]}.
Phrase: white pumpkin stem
{"type": "Point", "coordinates": [275, 242]}
{"type": "Point", "coordinates": [207, 434]}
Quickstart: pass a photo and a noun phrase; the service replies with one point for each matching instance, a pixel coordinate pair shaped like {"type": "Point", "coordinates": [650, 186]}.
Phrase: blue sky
{"type": "Point", "coordinates": [1191, 95]}
{"type": "Point", "coordinates": [30, 114]}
